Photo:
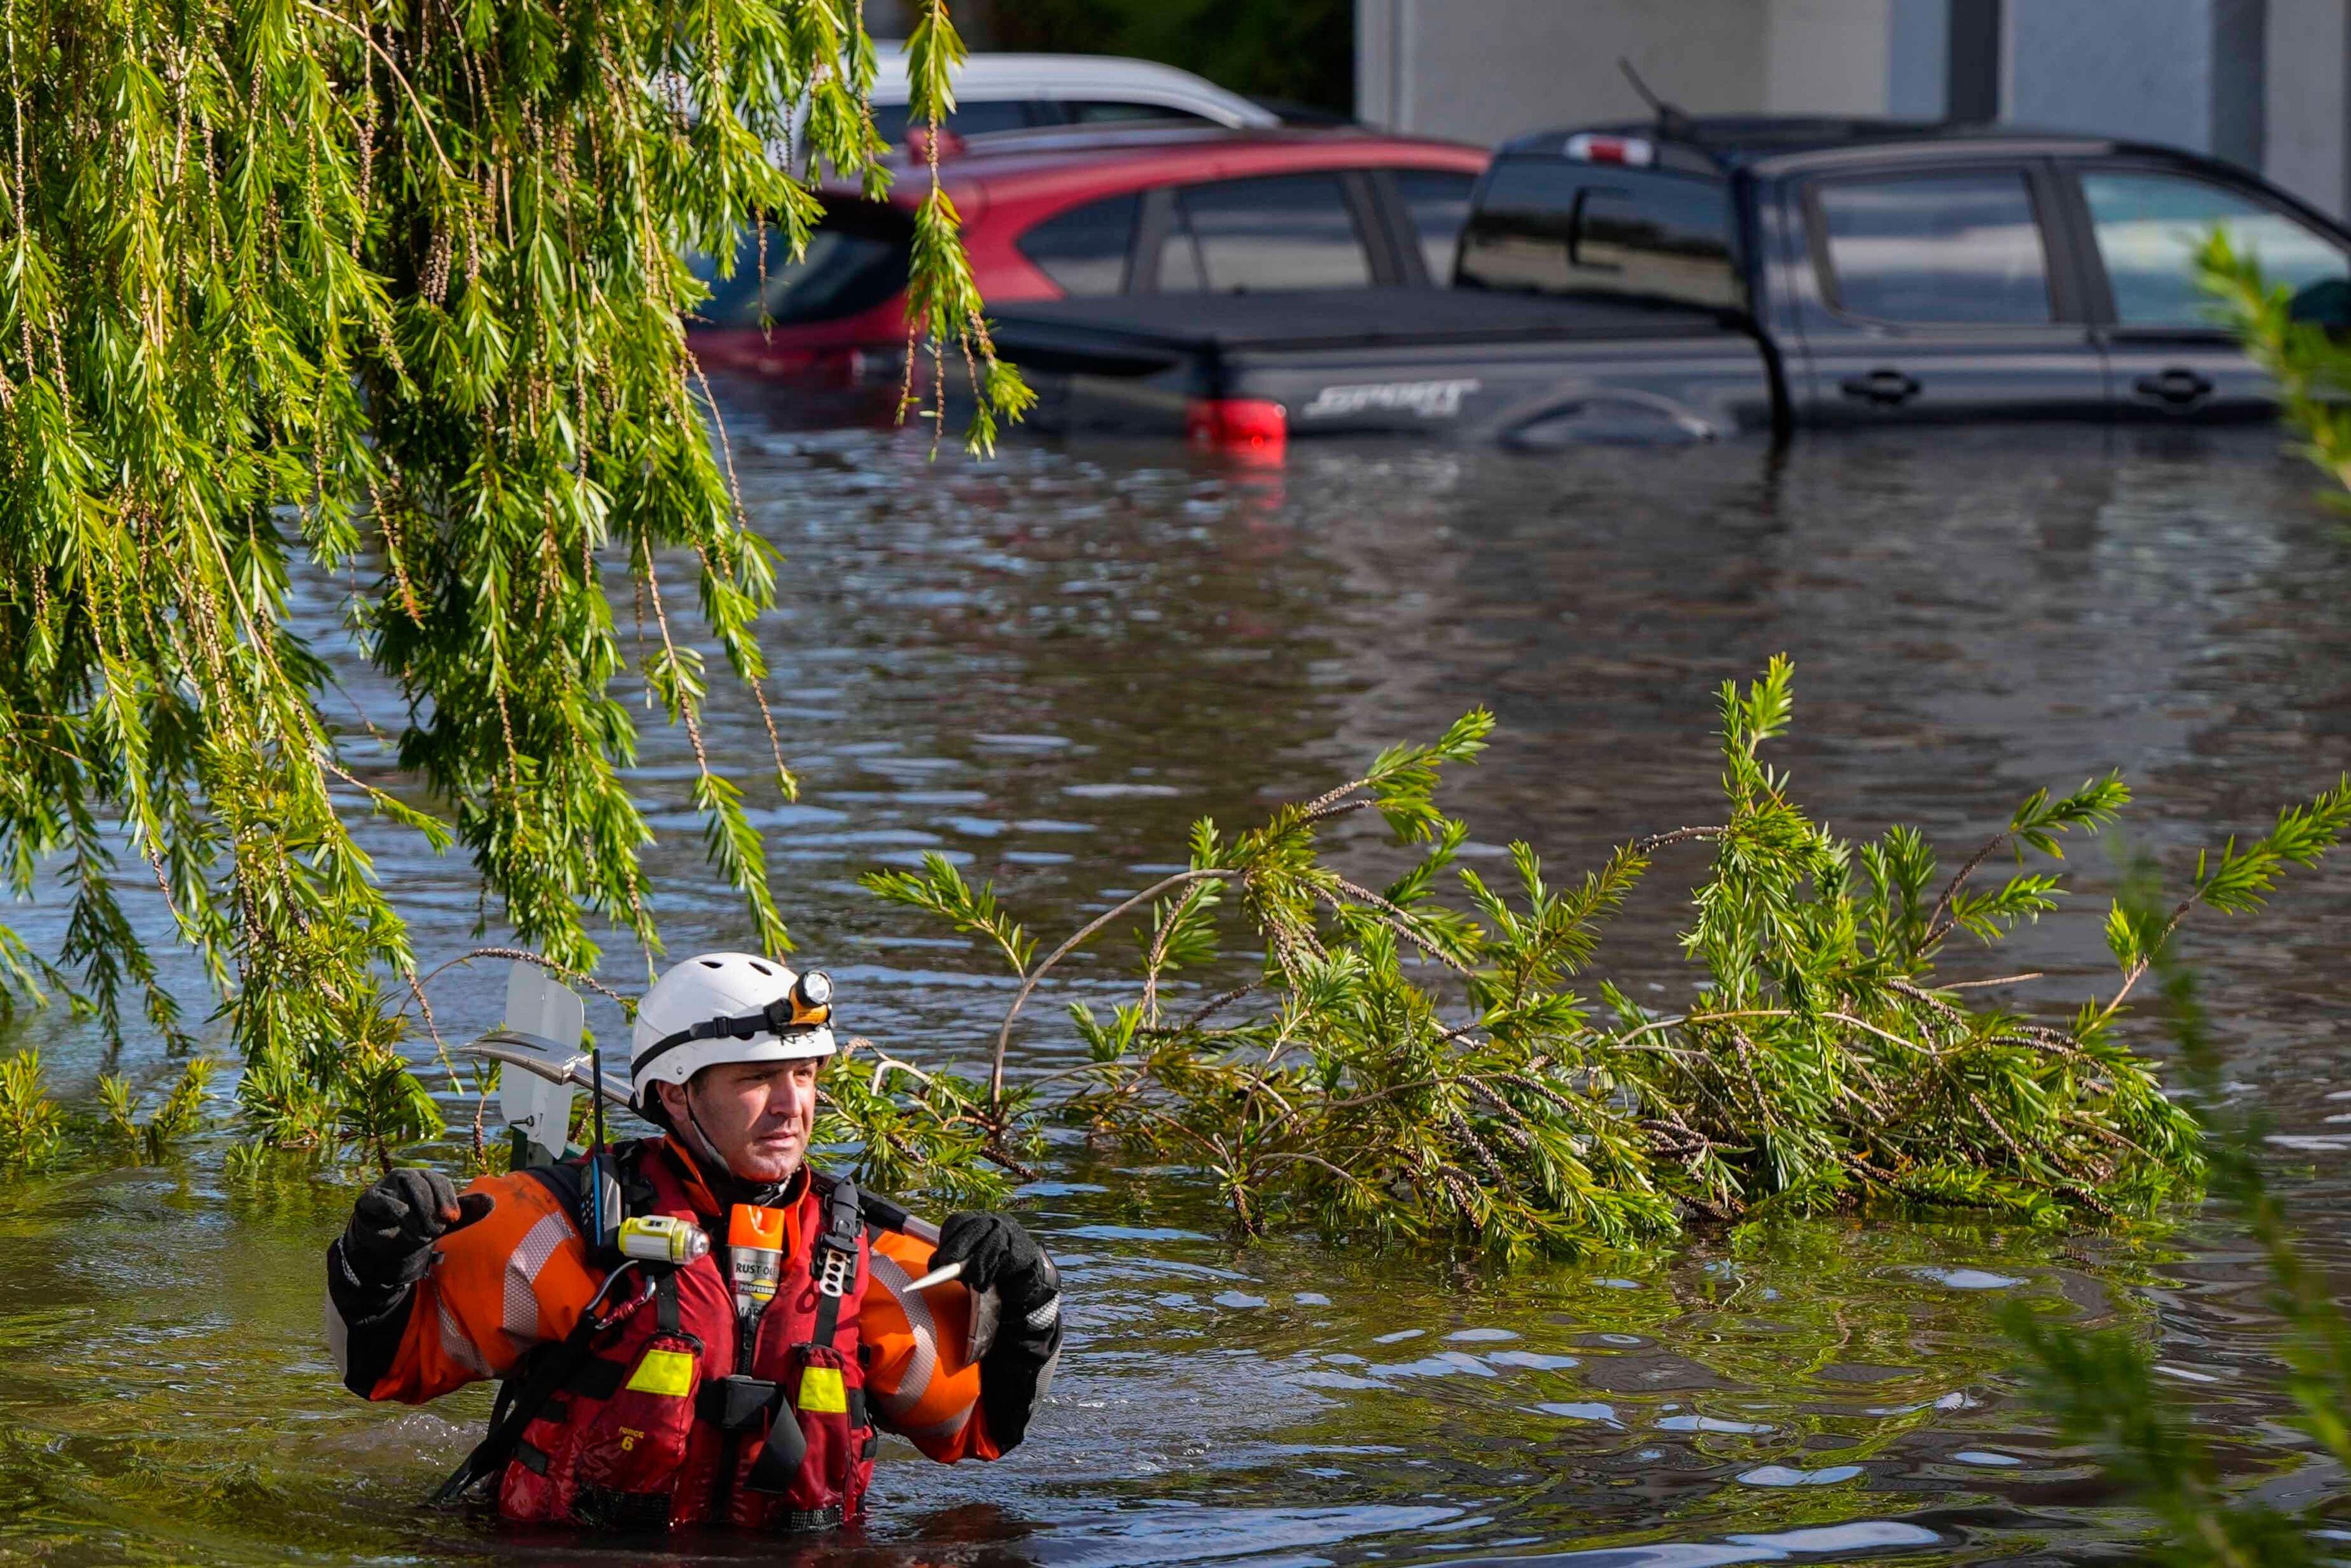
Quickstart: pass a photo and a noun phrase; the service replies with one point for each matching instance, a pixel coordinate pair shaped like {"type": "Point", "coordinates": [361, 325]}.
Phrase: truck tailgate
{"type": "Point", "coordinates": [1469, 363]}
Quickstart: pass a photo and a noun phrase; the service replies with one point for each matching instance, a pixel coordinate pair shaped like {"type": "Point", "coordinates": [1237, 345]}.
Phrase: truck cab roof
{"type": "Point", "coordinates": [1699, 143]}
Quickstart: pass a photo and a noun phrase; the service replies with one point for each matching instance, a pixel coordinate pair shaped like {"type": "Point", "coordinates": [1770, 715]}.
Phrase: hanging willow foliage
{"type": "Point", "coordinates": [391, 289]}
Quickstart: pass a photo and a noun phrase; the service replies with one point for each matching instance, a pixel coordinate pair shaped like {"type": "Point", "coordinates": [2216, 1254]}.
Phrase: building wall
{"type": "Point", "coordinates": [1826, 57]}
{"type": "Point", "coordinates": [1481, 70]}
{"type": "Point", "coordinates": [2266, 83]}
{"type": "Point", "coordinates": [2069, 68]}
{"type": "Point", "coordinates": [1484, 69]}
{"type": "Point", "coordinates": [2307, 115]}
{"type": "Point", "coordinates": [1918, 42]}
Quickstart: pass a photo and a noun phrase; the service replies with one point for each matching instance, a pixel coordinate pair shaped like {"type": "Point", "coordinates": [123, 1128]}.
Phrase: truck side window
{"type": "Point", "coordinates": [1084, 249]}
{"type": "Point", "coordinates": [2151, 226]}
{"type": "Point", "coordinates": [1550, 225]}
{"type": "Point", "coordinates": [1262, 237]}
{"type": "Point", "coordinates": [1438, 203]}
{"type": "Point", "coordinates": [1940, 249]}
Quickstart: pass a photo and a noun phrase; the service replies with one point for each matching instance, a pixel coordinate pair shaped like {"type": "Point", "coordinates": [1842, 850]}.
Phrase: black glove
{"type": "Point", "coordinates": [998, 1255]}
{"type": "Point", "coordinates": [1016, 1316]}
{"type": "Point", "coordinates": [395, 1222]}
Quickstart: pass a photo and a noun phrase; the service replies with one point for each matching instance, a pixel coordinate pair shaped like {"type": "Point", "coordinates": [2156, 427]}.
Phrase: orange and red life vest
{"type": "Point", "coordinates": [667, 1423]}
{"type": "Point", "coordinates": [502, 1296]}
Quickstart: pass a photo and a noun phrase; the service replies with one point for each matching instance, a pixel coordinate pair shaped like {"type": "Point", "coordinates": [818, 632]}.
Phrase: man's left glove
{"type": "Point", "coordinates": [998, 1255]}
{"type": "Point", "coordinates": [1016, 1316]}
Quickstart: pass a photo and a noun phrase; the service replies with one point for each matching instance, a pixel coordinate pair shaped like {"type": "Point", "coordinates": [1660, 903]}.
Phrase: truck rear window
{"type": "Point", "coordinates": [1548, 226]}
{"type": "Point", "coordinates": [856, 259]}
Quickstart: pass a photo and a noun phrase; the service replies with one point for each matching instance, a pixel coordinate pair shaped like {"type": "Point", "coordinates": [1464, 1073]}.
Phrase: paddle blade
{"type": "Point", "coordinates": [540, 1006]}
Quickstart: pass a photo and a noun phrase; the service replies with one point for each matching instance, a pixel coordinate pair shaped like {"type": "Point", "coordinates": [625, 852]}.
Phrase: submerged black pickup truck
{"type": "Point", "coordinates": [1702, 278]}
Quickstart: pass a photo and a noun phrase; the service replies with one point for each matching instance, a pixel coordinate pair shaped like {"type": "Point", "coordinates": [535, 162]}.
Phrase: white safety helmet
{"type": "Point", "coordinates": [726, 1007]}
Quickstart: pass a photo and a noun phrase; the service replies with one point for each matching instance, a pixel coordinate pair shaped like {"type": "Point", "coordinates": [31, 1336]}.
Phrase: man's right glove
{"type": "Point", "coordinates": [389, 1243]}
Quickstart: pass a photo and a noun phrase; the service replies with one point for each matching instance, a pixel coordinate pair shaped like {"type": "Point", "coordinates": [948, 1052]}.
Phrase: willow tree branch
{"type": "Point", "coordinates": [1678, 835]}
{"type": "Point", "coordinates": [423, 120]}
{"type": "Point", "coordinates": [1938, 919]}
{"type": "Point", "coordinates": [2138, 971]}
{"type": "Point", "coordinates": [1029, 981]}
{"type": "Point", "coordinates": [524, 955]}
{"type": "Point", "coordinates": [1398, 920]}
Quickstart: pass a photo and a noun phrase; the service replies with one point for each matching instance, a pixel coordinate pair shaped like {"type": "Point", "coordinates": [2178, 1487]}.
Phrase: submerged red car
{"type": "Point", "coordinates": [1061, 214]}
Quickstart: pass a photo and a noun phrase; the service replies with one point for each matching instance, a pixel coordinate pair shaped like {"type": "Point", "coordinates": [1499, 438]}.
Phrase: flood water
{"type": "Point", "coordinates": [1044, 668]}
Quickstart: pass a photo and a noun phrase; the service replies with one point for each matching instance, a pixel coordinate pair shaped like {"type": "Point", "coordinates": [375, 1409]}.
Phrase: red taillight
{"type": "Point", "coordinates": [918, 143]}
{"type": "Point", "coordinates": [1630, 151]}
{"type": "Point", "coordinates": [1248, 426]}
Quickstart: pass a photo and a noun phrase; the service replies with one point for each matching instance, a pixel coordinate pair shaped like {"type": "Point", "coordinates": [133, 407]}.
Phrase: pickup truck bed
{"type": "Point", "coordinates": [1482, 365]}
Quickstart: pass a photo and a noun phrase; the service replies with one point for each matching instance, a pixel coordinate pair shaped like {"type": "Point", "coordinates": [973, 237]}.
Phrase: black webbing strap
{"type": "Point", "coordinates": [551, 1369]}
{"type": "Point", "coordinates": [783, 1453]}
{"type": "Point", "coordinates": [596, 1379]}
{"type": "Point", "coordinates": [833, 1260]}
{"type": "Point", "coordinates": [775, 1018]}
{"type": "Point", "coordinates": [665, 1315]}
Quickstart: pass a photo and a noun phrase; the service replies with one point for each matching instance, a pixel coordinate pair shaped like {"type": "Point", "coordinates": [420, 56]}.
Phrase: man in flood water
{"type": "Point", "coordinates": [744, 1384]}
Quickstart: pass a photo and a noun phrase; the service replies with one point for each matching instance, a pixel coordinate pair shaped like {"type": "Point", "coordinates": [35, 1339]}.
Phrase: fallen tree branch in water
{"type": "Point", "coordinates": [1824, 1066]}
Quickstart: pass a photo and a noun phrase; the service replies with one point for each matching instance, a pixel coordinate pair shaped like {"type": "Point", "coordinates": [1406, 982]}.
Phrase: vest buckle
{"type": "Point", "coordinates": [834, 1273]}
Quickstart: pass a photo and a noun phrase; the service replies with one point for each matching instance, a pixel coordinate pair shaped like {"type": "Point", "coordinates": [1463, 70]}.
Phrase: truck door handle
{"type": "Point", "coordinates": [2178, 386]}
{"type": "Point", "coordinates": [1884, 388]}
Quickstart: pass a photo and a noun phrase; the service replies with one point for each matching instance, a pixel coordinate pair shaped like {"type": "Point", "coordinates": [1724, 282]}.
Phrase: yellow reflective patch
{"type": "Point", "coordinates": [822, 1393]}
{"type": "Point", "coordinates": [667, 1371]}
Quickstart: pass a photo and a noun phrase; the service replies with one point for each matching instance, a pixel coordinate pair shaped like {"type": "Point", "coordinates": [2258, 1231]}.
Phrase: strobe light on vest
{"type": "Point", "coordinates": [755, 1256]}
{"type": "Point", "coordinates": [662, 1238]}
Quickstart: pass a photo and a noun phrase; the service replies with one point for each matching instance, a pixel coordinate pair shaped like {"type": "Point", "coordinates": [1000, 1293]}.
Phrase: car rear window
{"type": "Point", "coordinates": [1085, 250]}
{"type": "Point", "coordinates": [1551, 226]}
{"type": "Point", "coordinates": [969, 117]}
{"type": "Point", "coordinates": [1276, 234]}
{"type": "Point", "coordinates": [1105, 112]}
{"type": "Point", "coordinates": [856, 259]}
{"type": "Point", "coordinates": [1935, 249]}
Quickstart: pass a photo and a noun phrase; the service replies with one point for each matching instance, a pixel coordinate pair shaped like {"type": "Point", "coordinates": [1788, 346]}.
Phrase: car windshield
{"type": "Point", "coordinates": [856, 259]}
